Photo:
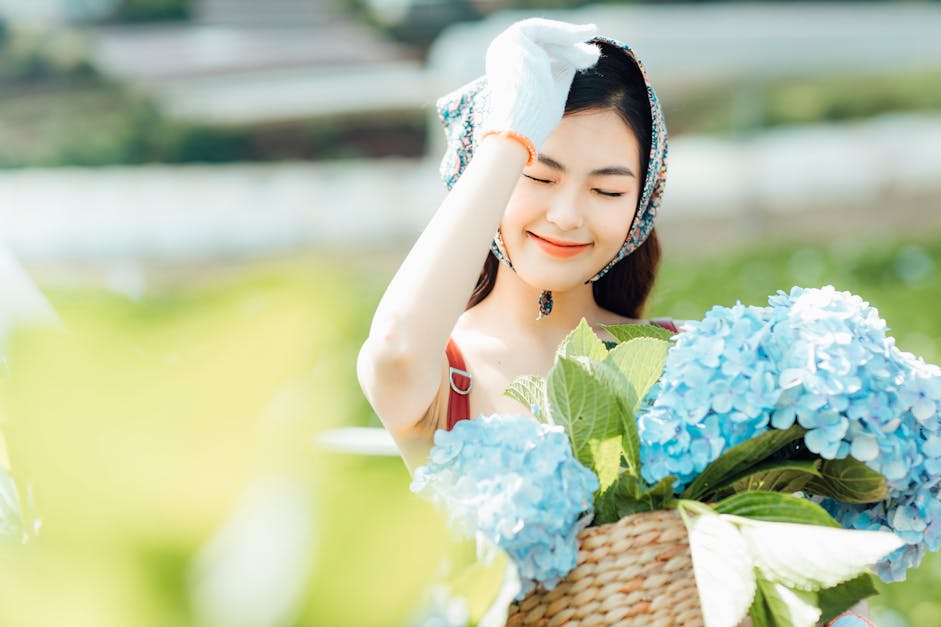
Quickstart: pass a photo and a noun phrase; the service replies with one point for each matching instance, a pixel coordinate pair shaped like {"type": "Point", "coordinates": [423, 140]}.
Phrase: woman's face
{"type": "Point", "coordinates": [570, 211]}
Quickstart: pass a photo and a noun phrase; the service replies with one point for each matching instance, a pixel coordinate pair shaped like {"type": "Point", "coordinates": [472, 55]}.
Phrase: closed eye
{"type": "Point", "coordinates": [609, 194]}
{"type": "Point", "coordinates": [538, 180]}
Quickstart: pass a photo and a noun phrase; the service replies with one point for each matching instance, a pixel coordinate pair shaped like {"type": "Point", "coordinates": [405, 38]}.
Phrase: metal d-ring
{"type": "Point", "coordinates": [463, 373]}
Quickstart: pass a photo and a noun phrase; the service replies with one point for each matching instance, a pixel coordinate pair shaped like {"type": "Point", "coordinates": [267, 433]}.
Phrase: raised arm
{"type": "Point", "coordinates": [529, 70]}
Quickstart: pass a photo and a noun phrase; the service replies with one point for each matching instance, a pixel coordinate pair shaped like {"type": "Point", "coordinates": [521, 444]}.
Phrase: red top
{"type": "Point", "coordinates": [461, 381]}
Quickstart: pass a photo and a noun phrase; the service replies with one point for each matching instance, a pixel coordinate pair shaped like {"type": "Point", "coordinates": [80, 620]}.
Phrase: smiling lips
{"type": "Point", "coordinates": [558, 248]}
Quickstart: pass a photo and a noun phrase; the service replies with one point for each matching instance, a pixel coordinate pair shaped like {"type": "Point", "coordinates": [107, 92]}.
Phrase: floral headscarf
{"type": "Point", "coordinates": [462, 113]}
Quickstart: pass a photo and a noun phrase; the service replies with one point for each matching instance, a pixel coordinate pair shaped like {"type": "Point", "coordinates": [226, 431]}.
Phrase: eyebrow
{"type": "Point", "coordinates": [608, 171]}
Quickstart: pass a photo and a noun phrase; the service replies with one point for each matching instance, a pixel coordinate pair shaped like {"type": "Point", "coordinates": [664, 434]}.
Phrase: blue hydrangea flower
{"type": "Point", "coordinates": [515, 481]}
{"type": "Point", "coordinates": [916, 518]}
{"type": "Point", "coordinates": [819, 358]}
{"type": "Point", "coordinates": [718, 389]}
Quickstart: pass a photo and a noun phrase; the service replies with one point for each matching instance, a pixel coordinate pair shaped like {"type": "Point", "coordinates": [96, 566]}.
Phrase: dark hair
{"type": "Point", "coordinates": [614, 83]}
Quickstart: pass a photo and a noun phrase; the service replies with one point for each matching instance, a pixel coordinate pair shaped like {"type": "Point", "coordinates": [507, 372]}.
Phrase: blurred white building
{"type": "Point", "coordinates": [55, 11]}
{"type": "Point", "coordinates": [231, 64]}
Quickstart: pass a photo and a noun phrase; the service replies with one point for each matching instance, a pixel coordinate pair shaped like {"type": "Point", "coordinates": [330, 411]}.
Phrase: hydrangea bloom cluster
{"type": "Point", "coordinates": [516, 482]}
{"type": "Point", "coordinates": [718, 389]}
{"type": "Point", "coordinates": [820, 358]}
{"type": "Point", "coordinates": [915, 517]}
{"type": "Point", "coordinates": [906, 449]}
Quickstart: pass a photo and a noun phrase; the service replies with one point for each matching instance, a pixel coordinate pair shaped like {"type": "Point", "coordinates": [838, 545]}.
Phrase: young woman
{"type": "Point", "coordinates": [568, 174]}
{"type": "Point", "coordinates": [561, 150]}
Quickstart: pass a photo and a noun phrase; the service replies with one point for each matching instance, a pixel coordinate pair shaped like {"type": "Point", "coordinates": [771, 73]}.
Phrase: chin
{"type": "Point", "coordinates": [554, 281]}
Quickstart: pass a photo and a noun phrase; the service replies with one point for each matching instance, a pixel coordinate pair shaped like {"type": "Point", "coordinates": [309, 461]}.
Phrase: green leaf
{"type": "Point", "coordinates": [629, 495]}
{"type": "Point", "coordinates": [759, 612]}
{"type": "Point", "coordinates": [739, 461]}
{"type": "Point", "coordinates": [849, 481]}
{"type": "Point", "coordinates": [662, 490]}
{"type": "Point", "coordinates": [836, 600]}
{"type": "Point", "coordinates": [775, 507]}
{"type": "Point", "coordinates": [788, 607]}
{"type": "Point", "coordinates": [641, 362]}
{"type": "Point", "coordinates": [606, 456]}
{"type": "Point", "coordinates": [777, 476]}
{"type": "Point", "coordinates": [620, 496]}
{"type": "Point", "coordinates": [766, 611]}
{"type": "Point", "coordinates": [626, 332]}
{"type": "Point", "coordinates": [530, 391]}
{"type": "Point", "coordinates": [582, 342]}
{"type": "Point", "coordinates": [589, 410]}
{"type": "Point", "coordinates": [725, 573]}
{"type": "Point", "coordinates": [813, 557]}
{"type": "Point", "coordinates": [610, 449]}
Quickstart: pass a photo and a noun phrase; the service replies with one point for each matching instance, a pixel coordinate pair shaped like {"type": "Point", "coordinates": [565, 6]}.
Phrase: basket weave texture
{"type": "Point", "coordinates": [636, 571]}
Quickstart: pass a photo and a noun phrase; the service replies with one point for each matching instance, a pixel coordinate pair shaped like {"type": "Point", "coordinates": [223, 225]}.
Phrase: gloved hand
{"type": "Point", "coordinates": [530, 67]}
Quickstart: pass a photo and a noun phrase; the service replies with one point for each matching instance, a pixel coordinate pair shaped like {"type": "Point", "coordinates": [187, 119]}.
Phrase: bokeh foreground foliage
{"type": "Point", "coordinates": [168, 448]}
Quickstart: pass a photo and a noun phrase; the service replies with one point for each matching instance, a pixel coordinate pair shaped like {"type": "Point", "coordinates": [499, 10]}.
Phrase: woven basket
{"type": "Point", "coordinates": [636, 571]}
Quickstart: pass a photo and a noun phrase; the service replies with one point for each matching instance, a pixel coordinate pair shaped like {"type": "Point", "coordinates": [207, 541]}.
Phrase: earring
{"type": "Point", "coordinates": [545, 304]}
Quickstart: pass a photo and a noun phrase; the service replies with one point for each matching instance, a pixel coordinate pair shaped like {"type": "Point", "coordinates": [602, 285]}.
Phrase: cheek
{"type": "Point", "coordinates": [615, 224]}
{"type": "Point", "coordinates": [523, 206]}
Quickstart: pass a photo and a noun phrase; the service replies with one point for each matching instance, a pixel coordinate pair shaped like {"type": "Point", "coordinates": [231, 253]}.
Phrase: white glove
{"type": "Point", "coordinates": [530, 67]}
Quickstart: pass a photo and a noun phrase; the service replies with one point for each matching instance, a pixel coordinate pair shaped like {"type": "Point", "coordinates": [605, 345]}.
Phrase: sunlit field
{"type": "Point", "coordinates": [165, 455]}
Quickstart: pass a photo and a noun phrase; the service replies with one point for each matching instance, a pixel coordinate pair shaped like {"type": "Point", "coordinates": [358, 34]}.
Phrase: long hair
{"type": "Point", "coordinates": [614, 83]}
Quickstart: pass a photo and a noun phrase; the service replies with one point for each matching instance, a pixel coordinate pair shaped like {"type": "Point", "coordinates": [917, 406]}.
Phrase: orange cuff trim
{"type": "Point", "coordinates": [522, 139]}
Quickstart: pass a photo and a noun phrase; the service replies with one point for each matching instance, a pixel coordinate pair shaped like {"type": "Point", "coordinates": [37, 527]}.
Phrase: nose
{"type": "Point", "coordinates": [564, 210]}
